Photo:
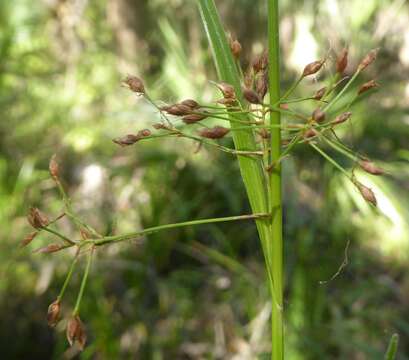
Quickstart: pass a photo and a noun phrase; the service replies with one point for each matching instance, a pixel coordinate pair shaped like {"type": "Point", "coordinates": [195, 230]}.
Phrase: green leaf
{"type": "Point", "coordinates": [251, 169]}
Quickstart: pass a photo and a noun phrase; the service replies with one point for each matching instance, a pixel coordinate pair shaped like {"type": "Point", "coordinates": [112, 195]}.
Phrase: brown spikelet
{"type": "Point", "coordinates": [251, 96]}
{"type": "Point", "coordinates": [371, 168]}
{"type": "Point", "coordinates": [193, 118]}
{"type": "Point", "coordinates": [126, 140]}
{"type": "Point", "coordinates": [227, 90]}
{"type": "Point", "coordinates": [76, 332]}
{"type": "Point", "coordinates": [49, 249]}
{"type": "Point", "coordinates": [249, 77]}
{"type": "Point", "coordinates": [368, 59]}
{"type": "Point", "coordinates": [227, 102]}
{"type": "Point", "coordinates": [53, 167]}
{"type": "Point", "coordinates": [342, 118]}
{"type": "Point", "coordinates": [159, 126]}
{"type": "Point", "coordinates": [313, 68]}
{"type": "Point", "coordinates": [53, 313]}
{"type": "Point", "coordinates": [85, 235]}
{"type": "Point", "coordinates": [367, 193]}
{"type": "Point", "coordinates": [342, 61]}
{"type": "Point", "coordinates": [320, 93]}
{"type": "Point", "coordinates": [260, 62]}
{"type": "Point", "coordinates": [214, 133]}
{"type": "Point", "coordinates": [135, 84]}
{"type": "Point", "coordinates": [190, 103]}
{"type": "Point", "coordinates": [262, 85]}
{"type": "Point", "coordinates": [178, 110]}
{"type": "Point", "coordinates": [235, 48]}
{"type": "Point", "coordinates": [37, 219]}
{"type": "Point", "coordinates": [28, 238]}
{"type": "Point", "coordinates": [368, 86]}
{"type": "Point", "coordinates": [318, 115]}
{"type": "Point", "coordinates": [310, 133]}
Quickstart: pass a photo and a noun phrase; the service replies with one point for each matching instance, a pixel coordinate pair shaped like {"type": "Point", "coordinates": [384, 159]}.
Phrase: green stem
{"type": "Point", "coordinates": [70, 213]}
{"type": "Point", "coordinates": [61, 236]}
{"type": "Point", "coordinates": [340, 148]}
{"type": "Point", "coordinates": [179, 133]}
{"type": "Point", "coordinates": [154, 229]}
{"type": "Point", "coordinates": [342, 92]}
{"type": "Point", "coordinates": [275, 200]}
{"type": "Point", "coordinates": [69, 275]}
{"type": "Point", "coordinates": [83, 283]}
{"type": "Point", "coordinates": [290, 90]}
{"type": "Point", "coordinates": [330, 159]}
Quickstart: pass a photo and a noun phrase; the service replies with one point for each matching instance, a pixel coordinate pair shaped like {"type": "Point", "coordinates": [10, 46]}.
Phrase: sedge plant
{"type": "Point", "coordinates": [265, 126]}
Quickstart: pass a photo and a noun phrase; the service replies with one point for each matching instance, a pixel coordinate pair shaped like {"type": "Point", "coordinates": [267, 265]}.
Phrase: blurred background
{"type": "Point", "coordinates": [196, 293]}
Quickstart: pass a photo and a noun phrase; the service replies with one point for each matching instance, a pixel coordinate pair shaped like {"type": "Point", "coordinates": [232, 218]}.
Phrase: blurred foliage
{"type": "Point", "coordinates": [196, 293]}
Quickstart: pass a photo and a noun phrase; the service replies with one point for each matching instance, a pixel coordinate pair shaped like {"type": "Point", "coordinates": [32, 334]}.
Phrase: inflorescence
{"type": "Point", "coordinates": [189, 119]}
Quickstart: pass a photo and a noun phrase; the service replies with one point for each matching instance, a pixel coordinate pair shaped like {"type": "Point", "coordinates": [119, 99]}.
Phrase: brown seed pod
{"type": "Point", "coordinates": [310, 133]}
{"type": "Point", "coordinates": [313, 68]}
{"type": "Point", "coordinates": [318, 115]}
{"type": "Point", "coordinates": [126, 140]}
{"type": "Point", "coordinates": [190, 103]}
{"type": "Point", "coordinates": [227, 102]}
{"type": "Point", "coordinates": [227, 90]}
{"type": "Point", "coordinates": [262, 85]}
{"type": "Point", "coordinates": [251, 96]}
{"type": "Point", "coordinates": [53, 167]}
{"type": "Point", "coordinates": [76, 332]}
{"type": "Point", "coordinates": [37, 219]}
{"type": "Point", "coordinates": [249, 77]}
{"type": "Point", "coordinates": [260, 62]}
{"type": "Point", "coordinates": [159, 126]}
{"type": "Point", "coordinates": [235, 48]}
{"type": "Point", "coordinates": [49, 249]}
{"type": "Point", "coordinates": [214, 133]}
{"type": "Point", "coordinates": [342, 118]}
{"type": "Point", "coordinates": [368, 86]}
{"type": "Point", "coordinates": [320, 93]}
{"type": "Point", "coordinates": [367, 193]}
{"type": "Point", "coordinates": [371, 168]}
{"type": "Point", "coordinates": [135, 84]}
{"type": "Point", "coordinates": [28, 238]}
{"type": "Point", "coordinates": [53, 314]}
{"type": "Point", "coordinates": [368, 59]}
{"type": "Point", "coordinates": [193, 118]}
{"type": "Point", "coordinates": [342, 61]}
{"type": "Point", "coordinates": [178, 110]}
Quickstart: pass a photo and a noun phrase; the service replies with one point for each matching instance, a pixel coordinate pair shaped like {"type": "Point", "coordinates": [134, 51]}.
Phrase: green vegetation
{"type": "Point", "coordinates": [201, 292]}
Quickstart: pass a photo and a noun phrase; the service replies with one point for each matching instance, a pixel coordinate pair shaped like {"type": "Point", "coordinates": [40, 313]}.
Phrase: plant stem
{"type": "Point", "coordinates": [136, 234]}
{"type": "Point", "coordinates": [342, 92]}
{"type": "Point", "coordinates": [331, 160]}
{"type": "Point", "coordinates": [70, 213]}
{"type": "Point", "coordinates": [275, 200]}
{"type": "Point", "coordinates": [83, 282]}
{"type": "Point", "coordinates": [61, 236]}
{"type": "Point", "coordinates": [69, 274]}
